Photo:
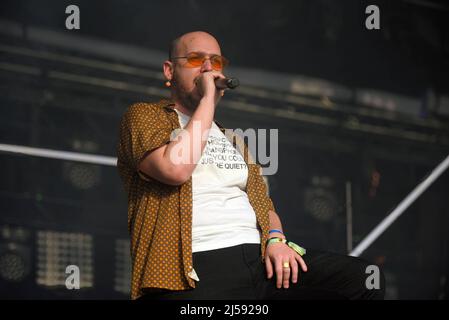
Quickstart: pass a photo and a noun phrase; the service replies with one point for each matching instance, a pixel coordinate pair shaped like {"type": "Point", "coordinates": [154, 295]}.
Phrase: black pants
{"type": "Point", "coordinates": [237, 272]}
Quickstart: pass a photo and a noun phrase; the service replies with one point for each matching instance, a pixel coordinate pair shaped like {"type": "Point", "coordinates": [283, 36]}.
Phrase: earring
{"type": "Point", "coordinates": [168, 83]}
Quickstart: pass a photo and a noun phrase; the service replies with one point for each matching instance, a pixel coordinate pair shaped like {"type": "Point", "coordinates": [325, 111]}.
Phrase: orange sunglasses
{"type": "Point", "coordinates": [196, 59]}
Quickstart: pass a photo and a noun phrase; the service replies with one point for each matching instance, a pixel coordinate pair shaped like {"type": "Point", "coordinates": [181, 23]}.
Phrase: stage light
{"type": "Point", "coordinates": [12, 267]}
{"type": "Point", "coordinates": [15, 255]}
{"type": "Point", "coordinates": [57, 250]}
{"type": "Point", "coordinates": [122, 278]}
{"type": "Point", "coordinates": [83, 176]}
{"type": "Point", "coordinates": [319, 200]}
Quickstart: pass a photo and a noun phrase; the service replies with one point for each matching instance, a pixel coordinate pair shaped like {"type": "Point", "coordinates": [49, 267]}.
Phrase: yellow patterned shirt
{"type": "Point", "coordinates": [160, 215]}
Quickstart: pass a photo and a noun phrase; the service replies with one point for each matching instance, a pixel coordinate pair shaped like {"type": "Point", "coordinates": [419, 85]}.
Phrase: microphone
{"type": "Point", "coordinates": [227, 83]}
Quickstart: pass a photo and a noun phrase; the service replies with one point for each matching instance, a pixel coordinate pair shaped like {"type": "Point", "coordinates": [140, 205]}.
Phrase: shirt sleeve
{"type": "Point", "coordinates": [144, 128]}
{"type": "Point", "coordinates": [261, 186]}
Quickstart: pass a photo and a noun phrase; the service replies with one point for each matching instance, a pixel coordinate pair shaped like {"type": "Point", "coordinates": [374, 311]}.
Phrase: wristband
{"type": "Point", "coordinates": [299, 250]}
{"type": "Point", "coordinates": [275, 230]}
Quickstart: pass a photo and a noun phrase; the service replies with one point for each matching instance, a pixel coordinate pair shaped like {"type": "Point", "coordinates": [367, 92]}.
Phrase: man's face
{"type": "Point", "coordinates": [184, 74]}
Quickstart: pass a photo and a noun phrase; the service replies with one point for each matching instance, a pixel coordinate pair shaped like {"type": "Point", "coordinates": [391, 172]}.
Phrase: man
{"type": "Point", "coordinates": [202, 230]}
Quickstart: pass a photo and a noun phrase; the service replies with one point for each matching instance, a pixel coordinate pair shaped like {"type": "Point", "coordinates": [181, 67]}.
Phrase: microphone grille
{"type": "Point", "coordinates": [233, 83]}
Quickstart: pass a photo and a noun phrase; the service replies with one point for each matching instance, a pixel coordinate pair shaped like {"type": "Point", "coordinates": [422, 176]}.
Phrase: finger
{"type": "Point", "coordinates": [214, 74]}
{"type": "Point", "coordinates": [218, 74]}
{"type": "Point", "coordinates": [301, 262]}
{"type": "Point", "coordinates": [279, 272]}
{"type": "Point", "coordinates": [286, 274]}
{"type": "Point", "coordinates": [268, 267]}
{"type": "Point", "coordinates": [294, 267]}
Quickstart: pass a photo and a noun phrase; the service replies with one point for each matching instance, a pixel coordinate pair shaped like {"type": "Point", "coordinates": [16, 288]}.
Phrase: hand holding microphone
{"type": "Point", "coordinates": [214, 83]}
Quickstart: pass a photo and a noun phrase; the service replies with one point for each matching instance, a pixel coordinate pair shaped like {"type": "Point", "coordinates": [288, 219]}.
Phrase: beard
{"type": "Point", "coordinates": [188, 99]}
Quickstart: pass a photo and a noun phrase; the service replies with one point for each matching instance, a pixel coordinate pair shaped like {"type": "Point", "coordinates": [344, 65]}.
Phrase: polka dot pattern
{"type": "Point", "coordinates": [159, 215]}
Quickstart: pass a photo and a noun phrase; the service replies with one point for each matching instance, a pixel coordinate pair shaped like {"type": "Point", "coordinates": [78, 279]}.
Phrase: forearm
{"type": "Point", "coordinates": [189, 144]}
{"type": "Point", "coordinates": [275, 224]}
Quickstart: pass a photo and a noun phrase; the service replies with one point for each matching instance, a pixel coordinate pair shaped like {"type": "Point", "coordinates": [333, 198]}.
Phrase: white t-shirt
{"type": "Point", "coordinates": [222, 214]}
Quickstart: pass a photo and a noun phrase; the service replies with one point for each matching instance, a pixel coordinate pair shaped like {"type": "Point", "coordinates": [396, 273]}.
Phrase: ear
{"type": "Point", "coordinates": [168, 70]}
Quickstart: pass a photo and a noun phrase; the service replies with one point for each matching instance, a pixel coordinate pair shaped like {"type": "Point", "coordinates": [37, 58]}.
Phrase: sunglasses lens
{"type": "Point", "coordinates": [217, 62]}
{"type": "Point", "coordinates": [195, 59]}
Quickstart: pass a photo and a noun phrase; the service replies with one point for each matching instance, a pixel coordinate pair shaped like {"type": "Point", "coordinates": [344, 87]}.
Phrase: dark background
{"type": "Point", "coordinates": [62, 96]}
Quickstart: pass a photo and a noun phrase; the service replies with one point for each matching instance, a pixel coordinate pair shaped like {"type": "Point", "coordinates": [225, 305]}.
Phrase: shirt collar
{"type": "Point", "coordinates": [167, 104]}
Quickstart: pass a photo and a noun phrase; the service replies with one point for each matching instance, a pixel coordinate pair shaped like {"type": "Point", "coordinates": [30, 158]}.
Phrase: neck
{"type": "Point", "coordinates": [182, 109]}
{"type": "Point", "coordinates": [180, 106]}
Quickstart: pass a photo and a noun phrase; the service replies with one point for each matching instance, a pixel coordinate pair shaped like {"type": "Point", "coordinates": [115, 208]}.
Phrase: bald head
{"type": "Point", "coordinates": [183, 44]}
